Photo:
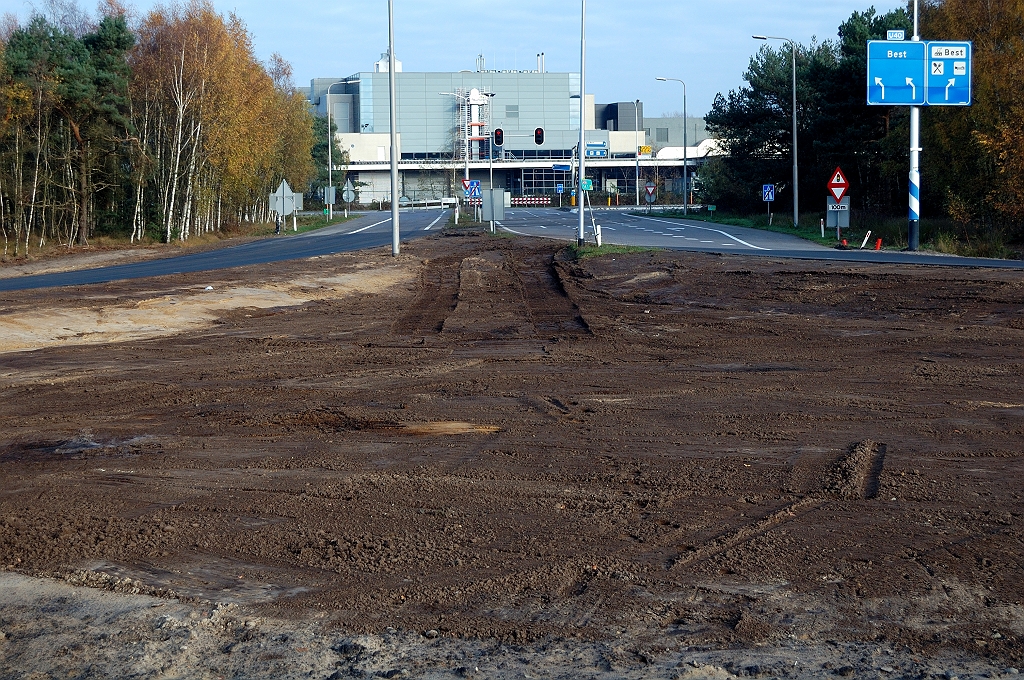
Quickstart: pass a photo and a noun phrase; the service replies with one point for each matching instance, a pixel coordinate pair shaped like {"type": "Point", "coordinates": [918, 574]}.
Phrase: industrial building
{"type": "Point", "coordinates": [446, 125]}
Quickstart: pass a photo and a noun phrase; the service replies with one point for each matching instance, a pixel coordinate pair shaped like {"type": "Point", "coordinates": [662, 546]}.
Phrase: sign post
{"type": "Point", "coordinates": [651, 189]}
{"type": "Point", "coordinates": [838, 202]}
{"type": "Point", "coordinates": [839, 215]}
{"type": "Point", "coordinates": [286, 202]}
{"type": "Point", "coordinates": [348, 194]}
{"type": "Point", "coordinates": [768, 196]}
{"type": "Point", "coordinates": [917, 73]}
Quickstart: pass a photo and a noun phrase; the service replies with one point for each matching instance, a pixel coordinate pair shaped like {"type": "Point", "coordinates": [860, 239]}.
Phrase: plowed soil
{"type": "Point", "coordinates": [492, 441]}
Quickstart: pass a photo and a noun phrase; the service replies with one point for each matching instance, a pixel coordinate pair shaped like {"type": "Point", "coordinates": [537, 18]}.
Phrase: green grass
{"type": "Point", "coordinates": [305, 224]}
{"type": "Point", "coordinates": [590, 250]}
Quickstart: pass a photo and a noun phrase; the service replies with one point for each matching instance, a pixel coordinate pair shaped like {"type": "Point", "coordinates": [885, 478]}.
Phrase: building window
{"type": "Point", "coordinates": [512, 111]}
{"type": "Point", "coordinates": [662, 135]}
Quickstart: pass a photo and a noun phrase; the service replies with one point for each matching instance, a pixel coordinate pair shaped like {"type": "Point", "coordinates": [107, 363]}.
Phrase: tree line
{"type": "Point", "coordinates": [972, 166]}
{"type": "Point", "coordinates": [162, 128]}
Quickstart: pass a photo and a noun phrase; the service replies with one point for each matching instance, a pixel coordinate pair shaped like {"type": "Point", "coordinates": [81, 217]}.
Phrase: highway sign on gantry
{"type": "Point", "coordinates": [949, 74]}
{"type": "Point", "coordinates": [897, 73]}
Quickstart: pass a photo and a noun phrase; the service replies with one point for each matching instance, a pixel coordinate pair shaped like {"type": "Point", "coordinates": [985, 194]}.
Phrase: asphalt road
{"type": "Point", "coordinates": [369, 231]}
{"type": "Point", "coordinates": [373, 230]}
{"type": "Point", "coordinates": [624, 229]}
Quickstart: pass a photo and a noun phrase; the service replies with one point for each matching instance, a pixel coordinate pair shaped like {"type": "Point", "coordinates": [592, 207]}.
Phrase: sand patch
{"type": "Point", "coordinates": [26, 330]}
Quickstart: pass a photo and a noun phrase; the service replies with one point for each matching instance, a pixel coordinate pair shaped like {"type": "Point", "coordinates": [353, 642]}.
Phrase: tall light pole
{"type": "Point", "coordinates": [686, 184]}
{"type": "Point", "coordinates": [796, 177]}
{"type": "Point", "coordinates": [330, 145]}
{"type": "Point", "coordinates": [636, 127]}
{"type": "Point", "coordinates": [580, 238]}
{"type": "Point", "coordinates": [395, 237]}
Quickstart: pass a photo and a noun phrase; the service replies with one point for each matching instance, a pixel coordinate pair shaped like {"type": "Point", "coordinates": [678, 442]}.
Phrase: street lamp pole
{"type": "Point", "coordinates": [580, 237]}
{"type": "Point", "coordinates": [395, 236]}
{"type": "Point", "coordinates": [636, 136]}
{"type": "Point", "coordinates": [330, 146]}
{"type": "Point", "coordinates": [686, 184]}
{"type": "Point", "coordinates": [796, 177]}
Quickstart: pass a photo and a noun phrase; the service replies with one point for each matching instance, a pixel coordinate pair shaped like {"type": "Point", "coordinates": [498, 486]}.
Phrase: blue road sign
{"type": "Point", "coordinates": [768, 192]}
{"type": "Point", "coordinates": [896, 34]}
{"type": "Point", "coordinates": [474, 189]}
{"type": "Point", "coordinates": [949, 73]}
{"type": "Point", "coordinates": [559, 188]}
{"type": "Point", "coordinates": [897, 73]}
{"type": "Point", "coordinates": [561, 168]}
{"type": "Point", "coordinates": [597, 153]}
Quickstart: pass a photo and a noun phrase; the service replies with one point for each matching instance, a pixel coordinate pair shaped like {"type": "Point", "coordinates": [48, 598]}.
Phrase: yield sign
{"type": "Point", "coordinates": [650, 187]}
{"type": "Point", "coordinates": [838, 185]}
{"type": "Point", "coordinates": [465, 186]}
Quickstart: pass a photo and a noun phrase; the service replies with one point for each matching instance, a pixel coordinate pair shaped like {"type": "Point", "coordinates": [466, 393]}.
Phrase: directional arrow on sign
{"type": "Point", "coordinates": [952, 82]}
{"type": "Point", "coordinates": [913, 88]}
{"type": "Point", "coordinates": [878, 81]}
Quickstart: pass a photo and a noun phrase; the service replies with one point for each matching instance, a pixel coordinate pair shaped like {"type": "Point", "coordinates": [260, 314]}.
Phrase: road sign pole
{"type": "Point", "coordinates": [914, 222]}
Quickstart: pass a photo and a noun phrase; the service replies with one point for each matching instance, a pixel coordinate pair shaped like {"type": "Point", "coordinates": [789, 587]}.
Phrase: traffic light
{"type": "Point", "coordinates": [538, 136]}
{"type": "Point", "coordinates": [499, 137]}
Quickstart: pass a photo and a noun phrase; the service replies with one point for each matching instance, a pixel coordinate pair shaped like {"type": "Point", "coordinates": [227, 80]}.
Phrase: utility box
{"type": "Point", "coordinates": [838, 213]}
{"type": "Point", "coordinates": [493, 204]}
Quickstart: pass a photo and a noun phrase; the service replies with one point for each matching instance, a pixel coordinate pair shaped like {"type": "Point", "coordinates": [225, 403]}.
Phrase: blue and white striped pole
{"type": "Point", "coordinates": [914, 227]}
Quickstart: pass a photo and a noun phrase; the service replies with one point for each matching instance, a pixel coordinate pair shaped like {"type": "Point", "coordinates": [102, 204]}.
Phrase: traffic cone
{"type": "Point", "coordinates": [878, 244]}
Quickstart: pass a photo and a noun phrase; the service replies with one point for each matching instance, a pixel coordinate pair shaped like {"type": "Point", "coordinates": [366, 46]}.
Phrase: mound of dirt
{"type": "Point", "coordinates": [618, 467]}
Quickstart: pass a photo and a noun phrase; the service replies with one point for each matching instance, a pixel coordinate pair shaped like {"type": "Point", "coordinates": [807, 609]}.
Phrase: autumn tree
{"type": "Point", "coordinates": [973, 155]}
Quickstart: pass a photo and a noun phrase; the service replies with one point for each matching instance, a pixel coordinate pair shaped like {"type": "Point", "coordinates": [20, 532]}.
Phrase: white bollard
{"type": "Point", "coordinates": [865, 242]}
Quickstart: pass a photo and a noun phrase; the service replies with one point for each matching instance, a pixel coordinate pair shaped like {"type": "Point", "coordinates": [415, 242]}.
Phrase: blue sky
{"type": "Point", "coordinates": [706, 43]}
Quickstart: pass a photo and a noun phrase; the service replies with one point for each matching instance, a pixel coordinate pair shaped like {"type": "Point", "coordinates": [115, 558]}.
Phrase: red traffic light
{"type": "Point", "coordinates": [499, 137]}
{"type": "Point", "coordinates": [538, 136]}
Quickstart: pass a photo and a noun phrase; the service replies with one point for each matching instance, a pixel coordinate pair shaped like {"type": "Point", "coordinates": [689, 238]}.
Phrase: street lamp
{"type": "Point", "coordinates": [330, 145]}
{"type": "Point", "coordinates": [636, 127]}
{"type": "Point", "coordinates": [686, 185]}
{"type": "Point", "coordinates": [580, 236]}
{"type": "Point", "coordinates": [796, 179]}
{"type": "Point", "coordinates": [395, 235]}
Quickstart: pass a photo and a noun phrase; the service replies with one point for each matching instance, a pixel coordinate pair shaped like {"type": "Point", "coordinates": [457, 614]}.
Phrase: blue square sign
{"type": "Point", "coordinates": [768, 192]}
{"type": "Point", "coordinates": [896, 73]}
{"type": "Point", "coordinates": [949, 73]}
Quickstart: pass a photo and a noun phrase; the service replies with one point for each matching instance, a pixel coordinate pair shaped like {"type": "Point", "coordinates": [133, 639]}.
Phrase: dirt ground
{"type": "Point", "coordinates": [485, 459]}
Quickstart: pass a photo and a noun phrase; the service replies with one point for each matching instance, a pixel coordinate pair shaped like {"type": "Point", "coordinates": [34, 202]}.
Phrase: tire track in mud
{"type": "Point", "coordinates": [437, 298]}
{"type": "Point", "coordinates": [550, 308]}
{"type": "Point", "coordinates": [855, 475]}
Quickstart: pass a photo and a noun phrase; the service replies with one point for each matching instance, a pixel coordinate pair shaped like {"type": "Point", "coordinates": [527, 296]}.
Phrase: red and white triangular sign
{"type": "Point", "coordinates": [465, 185]}
{"type": "Point", "coordinates": [838, 185]}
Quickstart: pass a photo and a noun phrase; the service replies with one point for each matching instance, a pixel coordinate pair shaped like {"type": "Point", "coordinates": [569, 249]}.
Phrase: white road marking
{"type": "Point", "coordinates": [435, 221]}
{"type": "Point", "coordinates": [511, 231]}
{"type": "Point", "coordinates": [717, 231]}
{"type": "Point", "coordinates": [369, 227]}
